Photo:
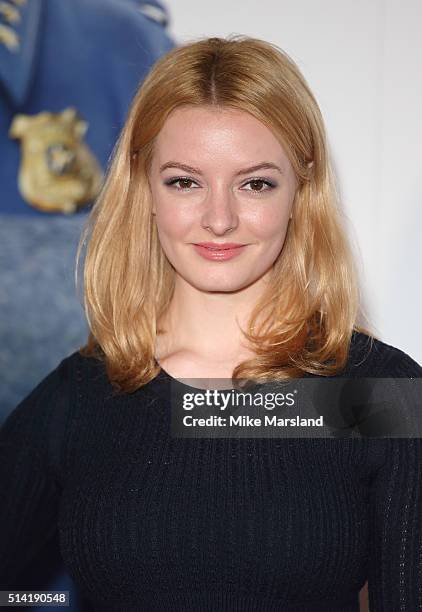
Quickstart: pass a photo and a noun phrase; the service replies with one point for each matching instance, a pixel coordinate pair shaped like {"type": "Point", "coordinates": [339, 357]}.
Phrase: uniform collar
{"type": "Point", "coordinates": [17, 67]}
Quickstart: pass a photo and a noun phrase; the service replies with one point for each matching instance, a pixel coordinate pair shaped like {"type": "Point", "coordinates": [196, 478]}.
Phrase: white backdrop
{"type": "Point", "coordinates": [363, 61]}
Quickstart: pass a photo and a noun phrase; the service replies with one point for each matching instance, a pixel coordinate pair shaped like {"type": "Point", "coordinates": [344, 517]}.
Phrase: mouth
{"type": "Point", "coordinates": [217, 252]}
{"type": "Point", "coordinates": [219, 247]}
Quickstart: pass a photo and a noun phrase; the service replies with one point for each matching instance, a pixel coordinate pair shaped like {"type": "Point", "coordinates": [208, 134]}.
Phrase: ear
{"type": "Point", "coordinates": [68, 115]}
{"type": "Point", "coordinates": [19, 126]}
{"type": "Point", "coordinates": [80, 128]}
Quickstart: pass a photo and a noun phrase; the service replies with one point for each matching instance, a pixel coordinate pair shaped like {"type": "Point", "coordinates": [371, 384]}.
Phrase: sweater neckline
{"type": "Point", "coordinates": [180, 383]}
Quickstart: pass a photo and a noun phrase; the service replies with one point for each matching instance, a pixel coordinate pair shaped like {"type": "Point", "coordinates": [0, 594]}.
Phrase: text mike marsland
{"type": "Point", "coordinates": [247, 421]}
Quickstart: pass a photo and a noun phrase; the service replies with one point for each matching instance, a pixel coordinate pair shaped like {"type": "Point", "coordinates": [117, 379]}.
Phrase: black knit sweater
{"type": "Point", "coordinates": [151, 522]}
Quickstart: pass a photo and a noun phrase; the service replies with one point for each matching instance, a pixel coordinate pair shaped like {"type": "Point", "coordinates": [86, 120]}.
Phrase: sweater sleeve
{"type": "Point", "coordinates": [30, 444]}
{"type": "Point", "coordinates": [395, 539]}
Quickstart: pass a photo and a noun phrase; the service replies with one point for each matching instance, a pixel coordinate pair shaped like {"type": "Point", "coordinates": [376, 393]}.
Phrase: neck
{"type": "Point", "coordinates": [207, 323]}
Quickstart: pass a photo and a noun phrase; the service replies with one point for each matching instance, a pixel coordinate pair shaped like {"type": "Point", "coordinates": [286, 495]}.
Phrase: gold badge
{"type": "Point", "coordinates": [58, 172]}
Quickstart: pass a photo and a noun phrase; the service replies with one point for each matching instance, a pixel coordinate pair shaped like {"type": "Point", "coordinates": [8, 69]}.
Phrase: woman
{"type": "Point", "coordinates": [224, 144]}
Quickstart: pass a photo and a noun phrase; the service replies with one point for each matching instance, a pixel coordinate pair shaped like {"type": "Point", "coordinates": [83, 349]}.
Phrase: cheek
{"type": "Point", "coordinates": [269, 223]}
{"type": "Point", "coordinates": [174, 226]}
{"type": "Point", "coordinates": [172, 218]}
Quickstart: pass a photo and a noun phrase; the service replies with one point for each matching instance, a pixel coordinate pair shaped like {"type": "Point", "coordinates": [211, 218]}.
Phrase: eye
{"type": "Point", "coordinates": [185, 183]}
{"type": "Point", "coordinates": [258, 183]}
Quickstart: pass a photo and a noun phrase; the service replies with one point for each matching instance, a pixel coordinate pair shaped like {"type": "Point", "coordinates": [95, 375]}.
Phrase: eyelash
{"type": "Point", "coordinates": [172, 181]}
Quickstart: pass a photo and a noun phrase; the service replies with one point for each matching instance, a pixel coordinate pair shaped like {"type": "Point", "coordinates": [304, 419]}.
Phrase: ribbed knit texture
{"type": "Point", "coordinates": [153, 523]}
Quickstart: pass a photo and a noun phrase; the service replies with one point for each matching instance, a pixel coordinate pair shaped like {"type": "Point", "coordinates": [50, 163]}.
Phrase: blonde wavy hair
{"type": "Point", "coordinates": [313, 301]}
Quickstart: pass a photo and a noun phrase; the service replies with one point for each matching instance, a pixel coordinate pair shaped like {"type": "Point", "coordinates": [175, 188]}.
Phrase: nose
{"type": "Point", "coordinates": [220, 213]}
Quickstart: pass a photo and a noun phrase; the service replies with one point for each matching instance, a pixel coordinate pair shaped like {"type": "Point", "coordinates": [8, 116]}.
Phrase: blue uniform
{"type": "Point", "coordinates": [68, 71]}
{"type": "Point", "coordinates": [57, 57]}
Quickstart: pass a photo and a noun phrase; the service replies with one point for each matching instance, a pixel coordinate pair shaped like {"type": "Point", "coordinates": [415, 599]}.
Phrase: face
{"type": "Point", "coordinates": [205, 189]}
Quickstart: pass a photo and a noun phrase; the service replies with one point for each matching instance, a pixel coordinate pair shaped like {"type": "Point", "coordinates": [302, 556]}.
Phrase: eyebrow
{"type": "Point", "coordinates": [186, 168]}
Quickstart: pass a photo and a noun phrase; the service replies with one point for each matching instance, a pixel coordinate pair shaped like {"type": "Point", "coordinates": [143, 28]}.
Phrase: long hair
{"type": "Point", "coordinates": [313, 301]}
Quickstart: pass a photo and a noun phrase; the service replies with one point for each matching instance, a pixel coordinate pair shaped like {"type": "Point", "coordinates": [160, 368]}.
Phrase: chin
{"type": "Point", "coordinates": [226, 285]}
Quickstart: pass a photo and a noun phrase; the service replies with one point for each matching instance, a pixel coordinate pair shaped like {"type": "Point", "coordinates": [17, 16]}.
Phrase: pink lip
{"type": "Point", "coordinates": [228, 252]}
{"type": "Point", "coordinates": [220, 245]}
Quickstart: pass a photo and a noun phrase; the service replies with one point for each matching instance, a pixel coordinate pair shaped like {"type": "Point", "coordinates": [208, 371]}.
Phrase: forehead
{"type": "Point", "coordinates": [205, 129]}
